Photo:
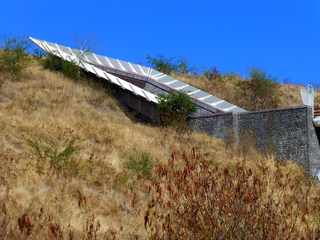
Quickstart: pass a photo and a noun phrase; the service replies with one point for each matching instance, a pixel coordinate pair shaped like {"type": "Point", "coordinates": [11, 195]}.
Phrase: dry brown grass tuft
{"type": "Point", "coordinates": [191, 199]}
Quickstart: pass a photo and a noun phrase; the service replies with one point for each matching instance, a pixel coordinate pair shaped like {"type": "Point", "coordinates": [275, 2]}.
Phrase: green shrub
{"type": "Point", "coordinates": [139, 162]}
{"type": "Point", "coordinates": [14, 57]}
{"type": "Point", "coordinates": [59, 155]}
{"type": "Point", "coordinates": [175, 108]}
{"type": "Point", "coordinates": [169, 65]}
{"type": "Point", "coordinates": [258, 92]}
{"type": "Point", "coordinates": [162, 64]}
{"type": "Point", "coordinates": [69, 69]}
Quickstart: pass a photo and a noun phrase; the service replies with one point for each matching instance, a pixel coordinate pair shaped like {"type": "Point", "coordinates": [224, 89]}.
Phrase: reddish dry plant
{"type": "Point", "coordinates": [41, 226]}
{"type": "Point", "coordinates": [25, 224]}
{"type": "Point", "coordinates": [193, 200]}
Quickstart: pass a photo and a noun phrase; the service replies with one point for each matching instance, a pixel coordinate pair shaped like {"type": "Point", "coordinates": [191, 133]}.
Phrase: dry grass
{"type": "Point", "coordinates": [225, 88]}
{"type": "Point", "coordinates": [193, 199]}
{"type": "Point", "coordinates": [48, 191]}
{"type": "Point", "coordinates": [49, 111]}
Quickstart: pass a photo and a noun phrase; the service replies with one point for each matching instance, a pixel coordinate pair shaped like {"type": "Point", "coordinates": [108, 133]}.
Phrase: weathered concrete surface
{"type": "Point", "coordinates": [289, 133]}
{"type": "Point", "coordinates": [314, 147]}
{"type": "Point", "coordinates": [284, 131]}
{"type": "Point", "coordinates": [219, 126]}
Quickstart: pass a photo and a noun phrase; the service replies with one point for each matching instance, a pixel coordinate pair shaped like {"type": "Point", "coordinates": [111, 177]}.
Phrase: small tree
{"type": "Point", "coordinates": [258, 92]}
{"type": "Point", "coordinates": [175, 108]}
{"type": "Point", "coordinates": [14, 57]}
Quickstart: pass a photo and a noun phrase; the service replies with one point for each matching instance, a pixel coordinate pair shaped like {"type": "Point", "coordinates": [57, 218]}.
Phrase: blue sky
{"type": "Point", "coordinates": [281, 37]}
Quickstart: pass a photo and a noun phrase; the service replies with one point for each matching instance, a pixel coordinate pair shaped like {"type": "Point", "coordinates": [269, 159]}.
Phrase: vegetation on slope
{"type": "Point", "coordinates": [70, 152]}
{"type": "Point", "coordinates": [255, 198]}
{"type": "Point", "coordinates": [174, 109]}
{"type": "Point", "coordinates": [258, 91]}
{"type": "Point", "coordinates": [75, 166]}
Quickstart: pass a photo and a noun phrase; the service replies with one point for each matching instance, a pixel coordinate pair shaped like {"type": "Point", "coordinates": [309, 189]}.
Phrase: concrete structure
{"type": "Point", "coordinates": [289, 133]}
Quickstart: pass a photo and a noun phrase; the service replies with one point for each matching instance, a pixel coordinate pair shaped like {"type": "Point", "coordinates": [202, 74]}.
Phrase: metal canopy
{"type": "Point", "coordinates": [76, 57]}
{"type": "Point", "coordinates": [110, 67]}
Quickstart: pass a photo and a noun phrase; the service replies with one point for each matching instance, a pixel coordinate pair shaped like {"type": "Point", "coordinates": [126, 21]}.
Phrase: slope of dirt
{"type": "Point", "coordinates": [73, 161]}
{"type": "Point", "coordinates": [41, 115]}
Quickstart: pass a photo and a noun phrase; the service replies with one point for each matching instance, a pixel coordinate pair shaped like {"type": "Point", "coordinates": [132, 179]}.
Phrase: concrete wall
{"type": "Point", "coordinates": [287, 132]}
{"type": "Point", "coordinates": [284, 131]}
{"type": "Point", "coordinates": [314, 147]}
{"type": "Point", "coordinates": [220, 126]}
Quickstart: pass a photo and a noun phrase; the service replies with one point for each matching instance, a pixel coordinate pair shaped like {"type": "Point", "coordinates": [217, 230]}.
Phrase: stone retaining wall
{"type": "Point", "coordinates": [289, 133]}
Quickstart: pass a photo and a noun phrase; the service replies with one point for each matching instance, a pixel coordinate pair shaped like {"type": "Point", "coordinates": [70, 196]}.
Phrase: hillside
{"type": "Point", "coordinates": [49, 109]}
{"type": "Point", "coordinates": [257, 91]}
{"type": "Point", "coordinates": [226, 87]}
{"type": "Point", "coordinates": [71, 157]}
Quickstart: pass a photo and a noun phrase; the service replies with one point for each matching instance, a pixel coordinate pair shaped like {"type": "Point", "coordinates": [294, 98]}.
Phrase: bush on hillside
{"type": "Point", "coordinates": [182, 66]}
{"type": "Point", "coordinates": [258, 92]}
{"type": "Point", "coordinates": [58, 155]}
{"type": "Point", "coordinates": [162, 64]}
{"type": "Point", "coordinates": [175, 108]}
{"type": "Point", "coordinates": [14, 57]}
{"type": "Point", "coordinates": [169, 65]}
{"type": "Point", "coordinates": [140, 162]}
{"type": "Point", "coordinates": [192, 199]}
{"type": "Point", "coordinates": [212, 74]}
{"type": "Point", "coordinates": [69, 69]}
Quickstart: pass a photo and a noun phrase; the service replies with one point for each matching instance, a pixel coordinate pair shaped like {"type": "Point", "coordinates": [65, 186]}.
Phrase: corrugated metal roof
{"type": "Point", "coordinates": [73, 56]}
{"type": "Point", "coordinates": [120, 67]}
